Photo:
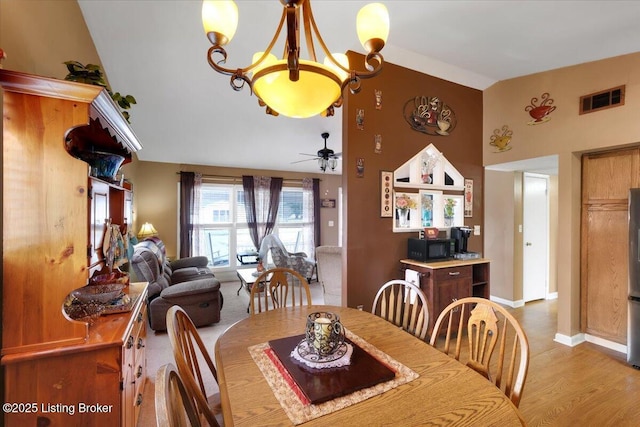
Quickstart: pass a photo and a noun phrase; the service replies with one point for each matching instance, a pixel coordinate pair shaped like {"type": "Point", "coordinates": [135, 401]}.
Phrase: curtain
{"type": "Point", "coordinates": [261, 200]}
{"type": "Point", "coordinates": [190, 183]}
{"type": "Point", "coordinates": [311, 209]}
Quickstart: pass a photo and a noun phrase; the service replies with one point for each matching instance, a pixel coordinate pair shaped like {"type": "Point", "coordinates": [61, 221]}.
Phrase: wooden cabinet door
{"type": "Point", "coordinates": [452, 284]}
{"type": "Point", "coordinates": [606, 180]}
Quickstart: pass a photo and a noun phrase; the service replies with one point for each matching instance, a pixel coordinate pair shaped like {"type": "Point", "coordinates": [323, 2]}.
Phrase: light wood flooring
{"type": "Point", "coordinates": [586, 385]}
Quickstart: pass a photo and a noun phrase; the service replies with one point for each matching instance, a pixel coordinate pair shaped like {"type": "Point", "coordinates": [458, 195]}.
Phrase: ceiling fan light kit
{"type": "Point", "coordinates": [327, 158]}
{"type": "Point", "coordinates": [292, 86]}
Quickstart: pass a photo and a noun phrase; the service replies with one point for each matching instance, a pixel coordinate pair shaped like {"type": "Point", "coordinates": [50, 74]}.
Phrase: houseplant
{"type": "Point", "coordinates": [92, 74]}
{"type": "Point", "coordinates": [449, 205]}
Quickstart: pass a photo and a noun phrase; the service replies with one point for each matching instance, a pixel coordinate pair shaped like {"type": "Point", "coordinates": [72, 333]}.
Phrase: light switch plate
{"type": "Point", "coordinates": [476, 230]}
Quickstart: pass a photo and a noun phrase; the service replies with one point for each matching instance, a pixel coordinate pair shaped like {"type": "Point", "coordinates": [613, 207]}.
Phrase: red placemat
{"type": "Point", "coordinates": [321, 385]}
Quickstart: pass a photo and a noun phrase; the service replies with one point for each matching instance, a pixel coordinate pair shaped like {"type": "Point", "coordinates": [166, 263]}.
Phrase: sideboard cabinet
{"type": "Point", "coordinates": [447, 281]}
{"type": "Point", "coordinates": [47, 358]}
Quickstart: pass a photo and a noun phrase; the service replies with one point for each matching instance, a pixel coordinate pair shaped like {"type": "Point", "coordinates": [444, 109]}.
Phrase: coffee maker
{"type": "Point", "coordinates": [461, 236]}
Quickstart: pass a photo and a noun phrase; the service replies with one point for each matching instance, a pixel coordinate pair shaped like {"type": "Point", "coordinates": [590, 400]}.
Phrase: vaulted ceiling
{"type": "Point", "coordinates": [187, 113]}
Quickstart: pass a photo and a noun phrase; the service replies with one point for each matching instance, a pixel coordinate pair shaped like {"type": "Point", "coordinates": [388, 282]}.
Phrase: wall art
{"type": "Point", "coordinates": [386, 192]}
{"type": "Point", "coordinates": [378, 95]}
{"type": "Point", "coordinates": [377, 148]}
{"type": "Point", "coordinates": [540, 111]}
{"type": "Point", "coordinates": [501, 139]}
{"type": "Point", "coordinates": [360, 118]}
{"type": "Point", "coordinates": [468, 198]}
{"type": "Point", "coordinates": [430, 115]}
{"type": "Point", "coordinates": [360, 167]}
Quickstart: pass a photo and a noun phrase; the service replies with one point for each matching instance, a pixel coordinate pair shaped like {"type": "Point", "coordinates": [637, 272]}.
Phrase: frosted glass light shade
{"type": "Point", "coordinates": [342, 60]}
{"type": "Point", "coordinates": [316, 90]}
{"type": "Point", "coordinates": [220, 20]}
{"type": "Point", "coordinates": [372, 24]}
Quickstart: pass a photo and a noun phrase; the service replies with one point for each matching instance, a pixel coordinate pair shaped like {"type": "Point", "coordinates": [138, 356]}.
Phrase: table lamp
{"type": "Point", "coordinates": [147, 230]}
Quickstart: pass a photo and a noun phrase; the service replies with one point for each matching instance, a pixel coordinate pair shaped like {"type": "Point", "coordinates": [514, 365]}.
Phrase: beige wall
{"type": "Point", "coordinates": [156, 196]}
{"type": "Point", "coordinates": [38, 36]}
{"type": "Point", "coordinates": [566, 134]}
{"type": "Point", "coordinates": [500, 231]}
{"type": "Point", "coordinates": [503, 239]}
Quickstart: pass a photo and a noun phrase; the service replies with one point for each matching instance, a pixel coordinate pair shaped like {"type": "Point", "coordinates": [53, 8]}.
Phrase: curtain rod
{"type": "Point", "coordinates": [239, 178]}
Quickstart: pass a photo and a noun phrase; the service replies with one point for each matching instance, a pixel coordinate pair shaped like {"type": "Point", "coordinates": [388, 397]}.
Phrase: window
{"type": "Point", "coordinates": [223, 230]}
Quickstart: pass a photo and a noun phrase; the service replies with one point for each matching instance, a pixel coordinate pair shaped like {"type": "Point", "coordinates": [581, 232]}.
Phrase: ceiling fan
{"type": "Point", "coordinates": [325, 156]}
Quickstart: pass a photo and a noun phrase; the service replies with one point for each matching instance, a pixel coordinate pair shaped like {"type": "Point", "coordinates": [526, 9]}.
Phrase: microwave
{"type": "Point", "coordinates": [430, 249]}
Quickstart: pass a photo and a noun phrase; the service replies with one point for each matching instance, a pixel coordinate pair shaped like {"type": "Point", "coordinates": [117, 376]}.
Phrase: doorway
{"type": "Point", "coordinates": [535, 237]}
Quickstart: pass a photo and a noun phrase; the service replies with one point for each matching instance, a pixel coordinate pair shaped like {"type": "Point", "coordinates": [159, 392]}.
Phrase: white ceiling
{"type": "Point", "coordinates": [187, 113]}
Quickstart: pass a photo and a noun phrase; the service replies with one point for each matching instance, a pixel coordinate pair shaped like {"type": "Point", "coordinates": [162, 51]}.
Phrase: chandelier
{"type": "Point", "coordinates": [292, 86]}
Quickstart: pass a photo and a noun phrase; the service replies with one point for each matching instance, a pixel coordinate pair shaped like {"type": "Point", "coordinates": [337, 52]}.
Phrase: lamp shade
{"type": "Point", "coordinates": [147, 230]}
{"type": "Point", "coordinates": [372, 24]}
{"type": "Point", "coordinates": [220, 20]}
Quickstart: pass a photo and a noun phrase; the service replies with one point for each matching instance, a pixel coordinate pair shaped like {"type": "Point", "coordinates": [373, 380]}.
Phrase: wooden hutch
{"type": "Point", "coordinates": [57, 371]}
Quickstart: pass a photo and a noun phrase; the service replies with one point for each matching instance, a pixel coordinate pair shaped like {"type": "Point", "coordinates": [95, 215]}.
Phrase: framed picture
{"type": "Point", "coordinates": [430, 208]}
{"type": "Point", "coordinates": [386, 194]}
{"type": "Point", "coordinates": [468, 198]}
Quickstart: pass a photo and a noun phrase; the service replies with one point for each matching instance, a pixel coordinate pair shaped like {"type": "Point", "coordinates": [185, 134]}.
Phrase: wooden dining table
{"type": "Point", "coordinates": [445, 391]}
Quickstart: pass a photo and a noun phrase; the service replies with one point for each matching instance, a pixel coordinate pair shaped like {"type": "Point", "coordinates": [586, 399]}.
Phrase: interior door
{"type": "Point", "coordinates": [535, 237]}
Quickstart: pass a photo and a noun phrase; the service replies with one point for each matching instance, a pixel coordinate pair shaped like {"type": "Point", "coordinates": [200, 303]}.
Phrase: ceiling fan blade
{"type": "Point", "coordinates": [305, 154]}
{"type": "Point", "coordinates": [300, 161]}
{"type": "Point", "coordinates": [336, 155]}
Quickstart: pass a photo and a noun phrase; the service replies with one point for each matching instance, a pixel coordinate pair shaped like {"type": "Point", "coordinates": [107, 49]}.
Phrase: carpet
{"type": "Point", "coordinates": [159, 350]}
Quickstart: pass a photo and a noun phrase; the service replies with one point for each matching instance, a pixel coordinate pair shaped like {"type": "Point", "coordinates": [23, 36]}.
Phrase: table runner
{"type": "Point", "coordinates": [293, 401]}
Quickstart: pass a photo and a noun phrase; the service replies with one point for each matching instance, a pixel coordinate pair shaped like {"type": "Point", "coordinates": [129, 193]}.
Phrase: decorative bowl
{"type": "Point", "coordinates": [110, 278]}
{"type": "Point", "coordinates": [103, 165]}
{"type": "Point", "coordinates": [84, 312]}
{"type": "Point", "coordinates": [99, 293]}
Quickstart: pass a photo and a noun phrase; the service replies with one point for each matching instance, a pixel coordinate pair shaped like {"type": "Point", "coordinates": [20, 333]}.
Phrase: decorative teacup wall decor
{"type": "Point", "coordinates": [501, 139]}
{"type": "Point", "coordinates": [429, 115]}
{"type": "Point", "coordinates": [540, 112]}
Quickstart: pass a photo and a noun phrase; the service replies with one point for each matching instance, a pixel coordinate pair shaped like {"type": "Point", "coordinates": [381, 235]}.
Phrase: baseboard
{"type": "Point", "coordinates": [620, 348]}
{"type": "Point", "coordinates": [570, 341]}
{"type": "Point", "coordinates": [508, 303]}
{"type": "Point", "coordinates": [552, 295]}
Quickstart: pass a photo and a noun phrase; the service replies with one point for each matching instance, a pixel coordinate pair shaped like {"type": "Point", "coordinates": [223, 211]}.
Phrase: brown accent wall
{"type": "Point", "coordinates": [372, 250]}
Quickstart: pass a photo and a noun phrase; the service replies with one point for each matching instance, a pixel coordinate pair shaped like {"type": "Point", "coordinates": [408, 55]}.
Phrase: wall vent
{"type": "Point", "coordinates": [609, 98]}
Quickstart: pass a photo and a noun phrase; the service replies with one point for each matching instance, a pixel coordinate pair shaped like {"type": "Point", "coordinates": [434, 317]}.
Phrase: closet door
{"type": "Point", "coordinates": [606, 180]}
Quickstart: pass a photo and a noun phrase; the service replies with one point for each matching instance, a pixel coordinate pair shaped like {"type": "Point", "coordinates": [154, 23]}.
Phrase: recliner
{"type": "Point", "coordinates": [298, 261]}
{"type": "Point", "coordinates": [186, 282]}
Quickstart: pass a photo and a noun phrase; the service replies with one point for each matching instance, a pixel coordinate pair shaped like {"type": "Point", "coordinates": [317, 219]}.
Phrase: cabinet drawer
{"type": "Point", "coordinates": [453, 273]}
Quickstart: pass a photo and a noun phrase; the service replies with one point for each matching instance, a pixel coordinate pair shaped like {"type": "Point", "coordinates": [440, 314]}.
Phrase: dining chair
{"type": "Point", "coordinates": [189, 351]}
{"type": "Point", "coordinates": [487, 324]}
{"type": "Point", "coordinates": [278, 287]}
{"type": "Point", "coordinates": [403, 304]}
{"type": "Point", "coordinates": [174, 405]}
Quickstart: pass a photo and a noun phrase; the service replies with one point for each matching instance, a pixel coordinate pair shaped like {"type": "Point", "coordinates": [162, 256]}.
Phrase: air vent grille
{"type": "Point", "coordinates": [602, 100]}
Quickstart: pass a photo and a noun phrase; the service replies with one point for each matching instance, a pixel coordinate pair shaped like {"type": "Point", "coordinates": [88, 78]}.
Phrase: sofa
{"type": "Point", "coordinates": [186, 282]}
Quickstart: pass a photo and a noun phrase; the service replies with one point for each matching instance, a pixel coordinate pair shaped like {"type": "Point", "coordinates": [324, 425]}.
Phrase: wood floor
{"type": "Point", "coordinates": [586, 385]}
